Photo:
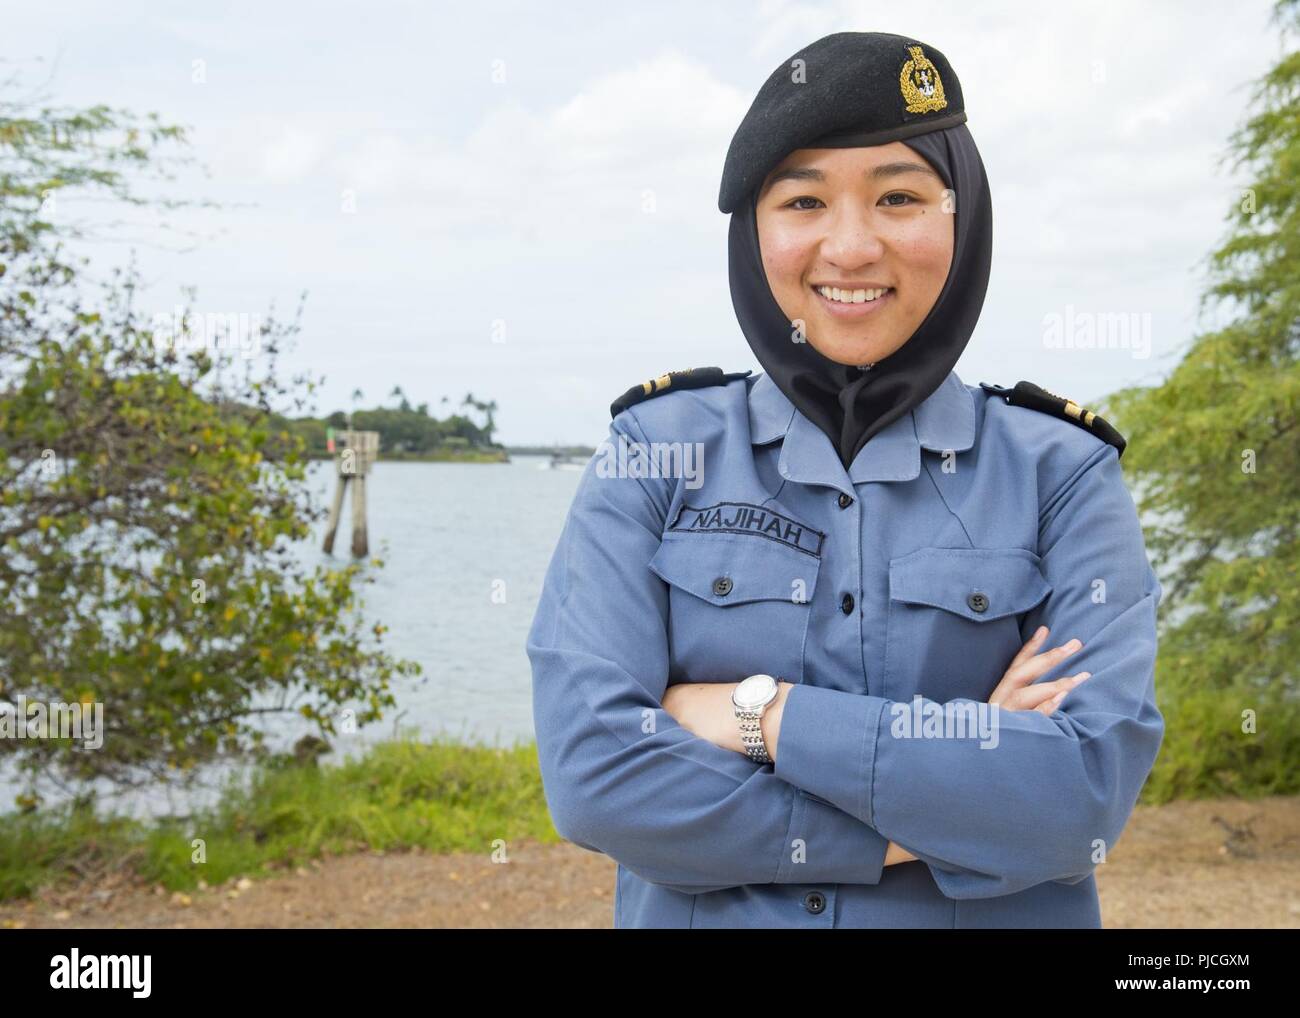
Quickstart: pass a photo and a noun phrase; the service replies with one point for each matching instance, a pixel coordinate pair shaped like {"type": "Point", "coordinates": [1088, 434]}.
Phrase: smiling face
{"type": "Point", "coordinates": [860, 220]}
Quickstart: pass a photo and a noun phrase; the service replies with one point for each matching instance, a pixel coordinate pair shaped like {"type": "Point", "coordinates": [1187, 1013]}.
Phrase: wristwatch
{"type": "Point", "coordinates": [750, 699]}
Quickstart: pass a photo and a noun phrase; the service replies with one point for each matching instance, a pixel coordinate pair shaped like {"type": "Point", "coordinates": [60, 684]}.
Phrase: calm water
{"type": "Point", "coordinates": [465, 548]}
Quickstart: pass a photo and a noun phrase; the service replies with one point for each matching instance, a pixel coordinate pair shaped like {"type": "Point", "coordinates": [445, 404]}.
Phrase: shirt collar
{"type": "Point", "coordinates": [943, 421]}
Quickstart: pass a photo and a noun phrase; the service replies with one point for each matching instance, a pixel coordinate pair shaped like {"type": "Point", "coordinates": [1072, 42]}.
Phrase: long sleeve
{"type": "Point", "coordinates": [993, 819]}
{"type": "Point", "coordinates": [620, 775]}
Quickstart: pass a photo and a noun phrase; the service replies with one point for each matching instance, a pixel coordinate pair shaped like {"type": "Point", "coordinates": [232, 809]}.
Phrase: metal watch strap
{"type": "Point", "coordinates": [751, 735]}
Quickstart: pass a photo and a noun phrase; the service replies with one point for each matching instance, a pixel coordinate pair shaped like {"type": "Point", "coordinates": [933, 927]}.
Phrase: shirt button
{"type": "Point", "coordinates": [978, 602]}
{"type": "Point", "coordinates": [846, 606]}
{"type": "Point", "coordinates": [722, 586]}
{"type": "Point", "coordinates": [814, 902]}
{"type": "Point", "coordinates": [845, 501]}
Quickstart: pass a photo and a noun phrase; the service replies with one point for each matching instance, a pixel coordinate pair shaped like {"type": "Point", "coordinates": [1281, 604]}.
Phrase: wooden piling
{"type": "Point", "coordinates": [355, 452]}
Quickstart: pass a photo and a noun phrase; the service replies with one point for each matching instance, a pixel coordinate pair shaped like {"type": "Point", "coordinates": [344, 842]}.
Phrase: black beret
{"type": "Point", "coordinates": [846, 89]}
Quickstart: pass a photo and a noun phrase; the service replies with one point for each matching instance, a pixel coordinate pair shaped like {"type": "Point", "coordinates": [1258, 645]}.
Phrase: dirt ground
{"type": "Point", "coordinates": [1215, 864]}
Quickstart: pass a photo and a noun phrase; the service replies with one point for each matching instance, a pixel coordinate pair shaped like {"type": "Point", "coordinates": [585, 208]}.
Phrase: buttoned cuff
{"type": "Point", "coordinates": [829, 846]}
{"type": "Point", "coordinates": [827, 745]}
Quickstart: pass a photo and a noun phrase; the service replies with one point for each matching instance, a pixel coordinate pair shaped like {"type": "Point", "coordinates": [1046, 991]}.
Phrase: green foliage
{"type": "Point", "coordinates": [146, 508]}
{"type": "Point", "coordinates": [1207, 753]}
{"type": "Point", "coordinates": [1214, 455]}
{"type": "Point", "coordinates": [404, 430]}
{"type": "Point", "coordinates": [440, 796]}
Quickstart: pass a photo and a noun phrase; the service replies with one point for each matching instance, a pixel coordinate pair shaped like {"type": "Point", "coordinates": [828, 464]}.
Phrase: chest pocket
{"type": "Point", "coordinates": [954, 619]}
{"type": "Point", "coordinates": [738, 605]}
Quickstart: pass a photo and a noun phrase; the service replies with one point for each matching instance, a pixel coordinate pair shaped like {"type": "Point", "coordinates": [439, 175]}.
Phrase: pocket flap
{"type": "Point", "coordinates": [979, 584]}
{"type": "Point", "coordinates": [729, 569]}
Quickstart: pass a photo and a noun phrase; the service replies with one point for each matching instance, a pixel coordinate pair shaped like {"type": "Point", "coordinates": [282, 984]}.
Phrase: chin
{"type": "Point", "coordinates": [854, 354]}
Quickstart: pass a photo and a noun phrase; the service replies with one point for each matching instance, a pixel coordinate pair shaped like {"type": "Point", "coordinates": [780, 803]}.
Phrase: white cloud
{"type": "Point", "coordinates": [289, 154]}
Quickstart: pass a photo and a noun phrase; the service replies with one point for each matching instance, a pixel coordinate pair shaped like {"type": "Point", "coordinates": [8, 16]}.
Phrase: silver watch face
{"type": "Point", "coordinates": [754, 692]}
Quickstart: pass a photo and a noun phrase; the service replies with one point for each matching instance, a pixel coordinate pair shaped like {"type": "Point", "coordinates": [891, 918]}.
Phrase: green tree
{"type": "Point", "coordinates": [488, 409]}
{"type": "Point", "coordinates": [147, 509]}
{"type": "Point", "coordinates": [1214, 456]}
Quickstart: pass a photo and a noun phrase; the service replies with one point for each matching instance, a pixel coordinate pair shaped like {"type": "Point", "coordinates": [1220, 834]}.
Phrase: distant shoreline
{"type": "Point", "coordinates": [576, 451]}
{"type": "Point", "coordinates": [474, 456]}
{"type": "Point", "coordinates": [482, 456]}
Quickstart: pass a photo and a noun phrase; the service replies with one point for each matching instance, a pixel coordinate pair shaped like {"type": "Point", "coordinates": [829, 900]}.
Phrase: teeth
{"type": "Point", "coordinates": [849, 296]}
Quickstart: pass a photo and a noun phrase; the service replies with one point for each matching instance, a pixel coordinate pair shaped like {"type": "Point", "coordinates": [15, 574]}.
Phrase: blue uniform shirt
{"type": "Point", "coordinates": [884, 592]}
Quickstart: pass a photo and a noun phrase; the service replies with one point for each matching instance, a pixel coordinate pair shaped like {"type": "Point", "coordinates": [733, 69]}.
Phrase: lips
{"type": "Point", "coordinates": [839, 309]}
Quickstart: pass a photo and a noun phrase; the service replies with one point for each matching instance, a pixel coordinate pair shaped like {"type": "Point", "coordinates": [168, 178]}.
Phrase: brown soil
{"type": "Point", "coordinates": [1219, 864]}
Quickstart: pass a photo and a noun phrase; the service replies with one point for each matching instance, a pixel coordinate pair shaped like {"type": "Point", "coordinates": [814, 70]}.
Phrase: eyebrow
{"type": "Point", "coordinates": [878, 173]}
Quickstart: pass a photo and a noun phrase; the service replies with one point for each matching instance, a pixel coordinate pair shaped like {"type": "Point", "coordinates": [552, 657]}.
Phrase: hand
{"type": "Point", "coordinates": [1015, 691]}
{"type": "Point", "coordinates": [896, 854]}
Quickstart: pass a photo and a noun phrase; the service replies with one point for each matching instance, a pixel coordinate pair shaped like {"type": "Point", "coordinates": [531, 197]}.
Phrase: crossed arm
{"type": "Point", "coordinates": [705, 708]}
{"type": "Point", "coordinates": [625, 777]}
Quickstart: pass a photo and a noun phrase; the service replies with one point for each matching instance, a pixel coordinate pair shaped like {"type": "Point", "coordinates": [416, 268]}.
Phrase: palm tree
{"type": "Point", "coordinates": [357, 395]}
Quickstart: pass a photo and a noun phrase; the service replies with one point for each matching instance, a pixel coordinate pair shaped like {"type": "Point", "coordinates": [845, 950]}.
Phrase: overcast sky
{"type": "Point", "coordinates": [520, 200]}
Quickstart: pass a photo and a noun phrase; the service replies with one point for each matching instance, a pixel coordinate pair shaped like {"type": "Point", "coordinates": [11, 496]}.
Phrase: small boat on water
{"type": "Point", "coordinates": [563, 461]}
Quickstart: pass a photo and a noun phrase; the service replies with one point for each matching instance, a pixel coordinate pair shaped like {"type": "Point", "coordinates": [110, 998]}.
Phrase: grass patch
{"type": "Point", "coordinates": [440, 796]}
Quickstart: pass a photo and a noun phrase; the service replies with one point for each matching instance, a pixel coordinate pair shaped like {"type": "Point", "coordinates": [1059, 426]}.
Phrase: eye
{"type": "Point", "coordinates": [907, 199]}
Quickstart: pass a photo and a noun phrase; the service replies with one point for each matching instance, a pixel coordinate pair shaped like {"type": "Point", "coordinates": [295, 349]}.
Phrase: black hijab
{"type": "Point", "coordinates": [850, 404]}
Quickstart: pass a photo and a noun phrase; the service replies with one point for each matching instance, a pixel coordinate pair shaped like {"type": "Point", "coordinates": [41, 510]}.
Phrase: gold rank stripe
{"type": "Point", "coordinates": [658, 384]}
{"type": "Point", "coordinates": [1079, 413]}
{"type": "Point", "coordinates": [1073, 409]}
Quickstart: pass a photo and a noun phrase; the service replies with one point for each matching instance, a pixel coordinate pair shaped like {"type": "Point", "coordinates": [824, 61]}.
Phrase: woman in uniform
{"type": "Point", "coordinates": [790, 661]}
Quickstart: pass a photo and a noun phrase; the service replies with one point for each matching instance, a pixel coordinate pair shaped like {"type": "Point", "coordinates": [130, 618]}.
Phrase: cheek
{"type": "Point", "coordinates": [925, 245]}
{"type": "Point", "coordinates": [785, 254]}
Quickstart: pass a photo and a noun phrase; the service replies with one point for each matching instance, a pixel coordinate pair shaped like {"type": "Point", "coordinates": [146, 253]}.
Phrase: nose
{"type": "Point", "coordinates": [853, 237]}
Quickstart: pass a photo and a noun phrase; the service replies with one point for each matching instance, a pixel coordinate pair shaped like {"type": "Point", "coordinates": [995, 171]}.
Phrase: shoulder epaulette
{"type": "Point", "coordinates": [691, 378]}
{"type": "Point", "coordinates": [1035, 397]}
